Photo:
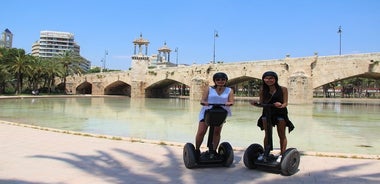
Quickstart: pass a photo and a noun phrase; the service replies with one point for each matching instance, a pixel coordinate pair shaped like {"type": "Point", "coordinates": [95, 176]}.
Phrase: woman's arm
{"type": "Point", "coordinates": [285, 97]}
{"type": "Point", "coordinates": [231, 98]}
{"type": "Point", "coordinates": [204, 99]}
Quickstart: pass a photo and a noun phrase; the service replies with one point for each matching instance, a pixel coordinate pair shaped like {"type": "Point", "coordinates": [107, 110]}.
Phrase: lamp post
{"type": "Point", "coordinates": [176, 59]}
{"type": "Point", "coordinates": [215, 36]}
{"type": "Point", "coordinates": [104, 60]}
{"type": "Point", "coordinates": [340, 39]}
{"type": "Point", "coordinates": [101, 68]}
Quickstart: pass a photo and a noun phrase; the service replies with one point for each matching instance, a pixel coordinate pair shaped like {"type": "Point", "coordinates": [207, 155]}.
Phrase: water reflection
{"type": "Point", "coordinates": [324, 127]}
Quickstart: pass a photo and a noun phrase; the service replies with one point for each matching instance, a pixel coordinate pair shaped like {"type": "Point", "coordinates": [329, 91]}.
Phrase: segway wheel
{"type": "Point", "coordinates": [225, 150]}
{"type": "Point", "coordinates": [189, 157]}
{"type": "Point", "coordinates": [251, 154]}
{"type": "Point", "coordinates": [290, 162]}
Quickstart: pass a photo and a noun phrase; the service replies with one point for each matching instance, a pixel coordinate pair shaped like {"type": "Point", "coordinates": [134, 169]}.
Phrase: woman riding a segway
{"type": "Point", "coordinates": [217, 94]}
{"type": "Point", "coordinates": [216, 101]}
{"type": "Point", "coordinates": [272, 93]}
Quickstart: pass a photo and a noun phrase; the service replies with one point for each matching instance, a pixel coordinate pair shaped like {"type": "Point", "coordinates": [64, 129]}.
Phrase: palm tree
{"type": "Point", "coordinates": [20, 66]}
{"type": "Point", "coordinates": [52, 69]}
{"type": "Point", "coordinates": [37, 72]}
{"type": "Point", "coordinates": [71, 64]}
{"type": "Point", "coordinates": [4, 74]}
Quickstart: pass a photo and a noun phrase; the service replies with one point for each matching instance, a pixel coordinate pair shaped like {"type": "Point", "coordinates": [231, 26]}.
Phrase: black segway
{"type": "Point", "coordinates": [290, 159]}
{"type": "Point", "coordinates": [214, 116]}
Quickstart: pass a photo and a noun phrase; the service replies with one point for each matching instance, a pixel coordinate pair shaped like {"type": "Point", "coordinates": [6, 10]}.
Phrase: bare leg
{"type": "Point", "coordinates": [202, 129]}
{"type": "Point", "coordinates": [282, 135]}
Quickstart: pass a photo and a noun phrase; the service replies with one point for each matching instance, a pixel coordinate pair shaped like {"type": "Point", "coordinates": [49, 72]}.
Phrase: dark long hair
{"type": "Point", "coordinates": [266, 95]}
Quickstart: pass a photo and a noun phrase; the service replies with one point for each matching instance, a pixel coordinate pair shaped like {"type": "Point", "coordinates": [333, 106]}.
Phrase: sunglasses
{"type": "Point", "coordinates": [269, 78]}
{"type": "Point", "coordinates": [220, 79]}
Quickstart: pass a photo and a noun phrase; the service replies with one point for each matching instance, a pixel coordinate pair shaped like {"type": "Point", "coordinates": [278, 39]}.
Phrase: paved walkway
{"type": "Point", "coordinates": [32, 155]}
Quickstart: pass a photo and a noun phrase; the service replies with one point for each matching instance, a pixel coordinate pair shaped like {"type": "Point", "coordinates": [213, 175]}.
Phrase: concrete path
{"type": "Point", "coordinates": [31, 155]}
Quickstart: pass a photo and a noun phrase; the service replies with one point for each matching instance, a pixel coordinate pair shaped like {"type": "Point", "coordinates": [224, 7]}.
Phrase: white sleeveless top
{"type": "Point", "coordinates": [214, 98]}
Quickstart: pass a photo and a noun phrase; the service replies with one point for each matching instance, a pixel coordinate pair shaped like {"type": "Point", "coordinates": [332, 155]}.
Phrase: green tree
{"type": "Point", "coordinates": [4, 74]}
{"type": "Point", "coordinates": [19, 67]}
{"type": "Point", "coordinates": [53, 69]}
{"type": "Point", "coordinates": [94, 70]}
{"type": "Point", "coordinates": [71, 63]}
{"type": "Point", "coordinates": [6, 77]}
{"type": "Point", "coordinates": [36, 72]}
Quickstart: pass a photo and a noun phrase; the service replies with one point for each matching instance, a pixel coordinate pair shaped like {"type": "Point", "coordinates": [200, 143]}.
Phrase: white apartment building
{"type": "Point", "coordinates": [53, 42]}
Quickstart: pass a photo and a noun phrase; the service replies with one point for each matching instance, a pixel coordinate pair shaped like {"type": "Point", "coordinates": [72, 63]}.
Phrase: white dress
{"type": "Point", "coordinates": [214, 98]}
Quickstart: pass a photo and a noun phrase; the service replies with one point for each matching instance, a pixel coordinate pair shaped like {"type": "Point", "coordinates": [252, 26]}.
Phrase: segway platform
{"type": "Point", "coordinates": [287, 166]}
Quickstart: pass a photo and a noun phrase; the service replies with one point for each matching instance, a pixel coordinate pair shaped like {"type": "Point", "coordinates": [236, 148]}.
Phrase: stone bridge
{"type": "Point", "coordinates": [300, 75]}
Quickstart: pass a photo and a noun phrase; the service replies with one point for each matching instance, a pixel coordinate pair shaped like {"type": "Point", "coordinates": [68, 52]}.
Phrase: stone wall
{"type": "Point", "coordinates": [300, 75]}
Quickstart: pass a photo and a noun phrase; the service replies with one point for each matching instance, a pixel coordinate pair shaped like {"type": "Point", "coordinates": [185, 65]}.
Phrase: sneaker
{"type": "Point", "coordinates": [279, 158]}
{"type": "Point", "coordinates": [261, 157]}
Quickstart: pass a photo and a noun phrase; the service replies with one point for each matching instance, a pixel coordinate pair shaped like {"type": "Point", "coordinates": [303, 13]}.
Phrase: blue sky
{"type": "Point", "coordinates": [249, 30]}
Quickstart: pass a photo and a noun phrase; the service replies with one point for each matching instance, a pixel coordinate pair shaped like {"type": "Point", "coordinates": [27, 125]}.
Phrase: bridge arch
{"type": "Point", "coordinates": [163, 89]}
{"type": "Point", "coordinates": [118, 88]}
{"type": "Point", "coordinates": [84, 88]}
{"type": "Point", "coordinates": [331, 69]}
{"type": "Point", "coordinates": [245, 85]}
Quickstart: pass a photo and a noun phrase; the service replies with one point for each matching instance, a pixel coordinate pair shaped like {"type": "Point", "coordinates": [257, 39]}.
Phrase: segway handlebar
{"type": "Point", "coordinates": [216, 104]}
{"type": "Point", "coordinates": [258, 104]}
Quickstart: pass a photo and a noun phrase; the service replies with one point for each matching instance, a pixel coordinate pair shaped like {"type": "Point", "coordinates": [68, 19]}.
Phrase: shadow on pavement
{"type": "Point", "coordinates": [169, 168]}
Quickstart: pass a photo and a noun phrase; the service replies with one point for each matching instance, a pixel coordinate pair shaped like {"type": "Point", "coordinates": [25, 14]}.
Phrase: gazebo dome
{"type": "Point", "coordinates": [164, 48]}
{"type": "Point", "coordinates": [141, 41]}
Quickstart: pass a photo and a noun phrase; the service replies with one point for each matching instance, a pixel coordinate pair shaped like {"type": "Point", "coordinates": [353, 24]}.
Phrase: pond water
{"type": "Point", "coordinates": [320, 127]}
